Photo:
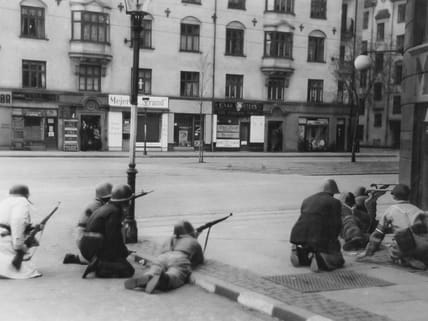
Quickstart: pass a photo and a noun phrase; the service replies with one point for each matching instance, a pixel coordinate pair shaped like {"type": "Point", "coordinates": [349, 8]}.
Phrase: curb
{"type": "Point", "coordinates": [253, 300]}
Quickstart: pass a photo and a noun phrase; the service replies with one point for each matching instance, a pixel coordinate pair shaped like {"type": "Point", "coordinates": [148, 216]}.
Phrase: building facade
{"type": "Point", "coordinates": [414, 133]}
{"type": "Point", "coordinates": [244, 75]}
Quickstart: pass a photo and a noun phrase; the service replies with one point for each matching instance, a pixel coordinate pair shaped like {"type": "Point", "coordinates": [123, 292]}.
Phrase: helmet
{"type": "Point", "coordinates": [401, 192]}
{"type": "Point", "coordinates": [103, 190]}
{"type": "Point", "coordinates": [183, 227]}
{"type": "Point", "coordinates": [121, 193]}
{"type": "Point", "coordinates": [330, 186]}
{"type": "Point", "coordinates": [21, 190]}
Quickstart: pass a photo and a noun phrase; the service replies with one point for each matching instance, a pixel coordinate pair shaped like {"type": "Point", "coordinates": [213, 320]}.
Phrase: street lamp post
{"type": "Point", "coordinates": [135, 8]}
{"type": "Point", "coordinates": [145, 131]}
{"type": "Point", "coordinates": [361, 63]}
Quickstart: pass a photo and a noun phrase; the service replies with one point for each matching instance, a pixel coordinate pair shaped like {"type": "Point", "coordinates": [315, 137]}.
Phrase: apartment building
{"type": "Point", "coordinates": [246, 75]}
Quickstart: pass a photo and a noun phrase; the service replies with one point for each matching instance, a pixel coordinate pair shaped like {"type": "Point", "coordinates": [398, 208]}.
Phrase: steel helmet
{"type": "Point", "coordinates": [21, 190]}
{"type": "Point", "coordinates": [183, 227]}
{"type": "Point", "coordinates": [121, 193]}
{"type": "Point", "coordinates": [330, 186]}
{"type": "Point", "coordinates": [401, 192]}
{"type": "Point", "coordinates": [103, 190]}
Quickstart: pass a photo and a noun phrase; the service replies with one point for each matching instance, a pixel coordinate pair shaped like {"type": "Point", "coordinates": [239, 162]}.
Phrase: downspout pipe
{"type": "Point", "coordinates": [214, 17]}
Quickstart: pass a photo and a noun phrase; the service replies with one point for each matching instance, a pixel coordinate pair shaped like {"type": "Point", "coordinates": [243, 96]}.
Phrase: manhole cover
{"type": "Point", "coordinates": [327, 281]}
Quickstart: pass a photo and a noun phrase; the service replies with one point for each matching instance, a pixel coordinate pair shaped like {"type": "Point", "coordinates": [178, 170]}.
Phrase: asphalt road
{"type": "Point", "coordinates": [263, 194]}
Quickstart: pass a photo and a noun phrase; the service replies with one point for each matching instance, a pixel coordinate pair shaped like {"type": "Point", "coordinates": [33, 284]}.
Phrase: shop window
{"type": "Point", "coordinates": [189, 37]}
{"type": "Point", "coordinates": [234, 42]}
{"type": "Point", "coordinates": [234, 86]}
{"type": "Point", "coordinates": [316, 49]}
{"type": "Point", "coordinates": [187, 129]}
{"type": "Point", "coordinates": [89, 78]}
{"type": "Point", "coordinates": [145, 81]}
{"type": "Point", "coordinates": [315, 90]}
{"type": "Point", "coordinates": [33, 128]}
{"type": "Point", "coordinates": [189, 84]}
{"type": "Point", "coordinates": [396, 105]}
{"type": "Point", "coordinates": [278, 44]}
{"type": "Point", "coordinates": [275, 86]}
{"type": "Point", "coordinates": [380, 34]}
{"type": "Point", "coordinates": [33, 74]}
{"type": "Point", "coordinates": [283, 6]}
{"type": "Point", "coordinates": [236, 4]}
{"type": "Point", "coordinates": [145, 35]}
{"type": "Point", "coordinates": [377, 120]}
{"type": "Point", "coordinates": [401, 14]}
{"type": "Point", "coordinates": [366, 15]}
{"type": "Point", "coordinates": [90, 26]}
{"type": "Point", "coordinates": [319, 9]}
{"type": "Point", "coordinates": [32, 22]}
{"type": "Point", "coordinates": [153, 124]}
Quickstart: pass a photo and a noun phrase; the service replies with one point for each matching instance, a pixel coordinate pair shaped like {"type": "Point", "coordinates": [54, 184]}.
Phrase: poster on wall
{"type": "Point", "coordinates": [257, 129]}
{"type": "Point", "coordinates": [115, 130]}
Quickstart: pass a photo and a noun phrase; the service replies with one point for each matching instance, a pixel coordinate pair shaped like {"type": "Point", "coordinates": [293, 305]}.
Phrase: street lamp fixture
{"type": "Point", "coordinates": [361, 63]}
{"type": "Point", "coordinates": [137, 10]}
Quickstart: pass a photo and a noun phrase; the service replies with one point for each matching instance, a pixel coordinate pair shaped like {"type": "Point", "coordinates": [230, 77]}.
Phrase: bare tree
{"type": "Point", "coordinates": [205, 77]}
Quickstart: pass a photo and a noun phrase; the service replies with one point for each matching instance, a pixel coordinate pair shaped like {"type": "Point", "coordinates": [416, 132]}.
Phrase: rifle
{"type": "Point", "coordinates": [380, 187]}
{"type": "Point", "coordinates": [30, 239]}
{"type": "Point", "coordinates": [142, 193]}
{"type": "Point", "coordinates": [208, 226]}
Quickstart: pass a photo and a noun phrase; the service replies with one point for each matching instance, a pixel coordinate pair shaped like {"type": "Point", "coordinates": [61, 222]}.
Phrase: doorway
{"type": "Point", "coordinates": [90, 132]}
{"type": "Point", "coordinates": [275, 136]}
{"type": "Point", "coordinates": [244, 135]}
{"type": "Point", "coordinates": [340, 135]}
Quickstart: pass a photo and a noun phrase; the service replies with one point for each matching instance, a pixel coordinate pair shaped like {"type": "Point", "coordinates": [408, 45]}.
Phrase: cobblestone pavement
{"type": "Point", "coordinates": [242, 278]}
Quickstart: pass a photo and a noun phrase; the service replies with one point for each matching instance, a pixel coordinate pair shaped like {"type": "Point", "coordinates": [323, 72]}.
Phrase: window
{"type": "Point", "coordinates": [89, 77]}
{"type": "Point", "coordinates": [361, 106]}
{"type": "Point", "coordinates": [189, 37]}
{"type": "Point", "coordinates": [380, 35]}
{"type": "Point", "coordinates": [33, 22]}
{"type": "Point", "coordinates": [399, 42]}
{"type": "Point", "coordinates": [316, 49]}
{"type": "Point", "coordinates": [315, 90]}
{"type": "Point", "coordinates": [284, 6]}
{"type": "Point", "coordinates": [191, 1]}
{"type": "Point", "coordinates": [379, 62]}
{"type": "Point", "coordinates": [340, 91]}
{"type": "Point", "coordinates": [377, 88]}
{"type": "Point", "coordinates": [145, 81]}
{"type": "Point", "coordinates": [236, 4]}
{"type": "Point", "coordinates": [377, 120]}
{"type": "Point", "coordinates": [366, 16]}
{"type": "Point", "coordinates": [364, 46]}
{"type": "Point", "coordinates": [145, 35]}
{"type": "Point", "coordinates": [396, 104]}
{"type": "Point", "coordinates": [276, 87]}
{"type": "Point", "coordinates": [234, 42]}
{"type": "Point", "coordinates": [278, 44]}
{"type": "Point", "coordinates": [319, 9]}
{"type": "Point", "coordinates": [33, 74]}
{"type": "Point", "coordinates": [398, 72]}
{"type": "Point", "coordinates": [234, 84]}
{"type": "Point", "coordinates": [189, 84]}
{"type": "Point", "coordinates": [91, 26]}
{"type": "Point", "coordinates": [401, 15]}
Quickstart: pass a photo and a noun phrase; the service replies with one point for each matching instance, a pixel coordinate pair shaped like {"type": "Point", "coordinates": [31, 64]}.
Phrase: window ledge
{"type": "Point", "coordinates": [245, 9]}
{"type": "Point", "coordinates": [238, 56]}
{"type": "Point", "coordinates": [190, 51]}
{"type": "Point", "coordinates": [280, 12]}
{"type": "Point", "coordinates": [316, 61]}
{"type": "Point", "coordinates": [34, 38]}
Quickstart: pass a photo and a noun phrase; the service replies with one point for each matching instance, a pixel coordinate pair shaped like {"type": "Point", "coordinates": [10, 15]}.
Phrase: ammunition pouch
{"type": "Point", "coordinates": [90, 244]}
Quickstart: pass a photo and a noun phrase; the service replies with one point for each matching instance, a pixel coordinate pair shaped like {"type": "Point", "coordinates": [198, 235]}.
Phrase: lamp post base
{"type": "Point", "coordinates": [129, 229]}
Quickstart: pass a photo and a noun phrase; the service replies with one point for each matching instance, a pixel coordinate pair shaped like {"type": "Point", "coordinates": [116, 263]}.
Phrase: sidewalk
{"type": "Point", "coordinates": [364, 152]}
{"type": "Point", "coordinates": [366, 291]}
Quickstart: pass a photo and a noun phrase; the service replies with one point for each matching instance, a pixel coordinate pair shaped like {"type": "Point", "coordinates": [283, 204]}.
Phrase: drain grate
{"type": "Point", "coordinates": [327, 281]}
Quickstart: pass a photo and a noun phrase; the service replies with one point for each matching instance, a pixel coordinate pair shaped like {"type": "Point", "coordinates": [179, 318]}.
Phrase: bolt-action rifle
{"type": "Point", "coordinates": [30, 240]}
{"type": "Point", "coordinates": [142, 193]}
{"type": "Point", "coordinates": [208, 226]}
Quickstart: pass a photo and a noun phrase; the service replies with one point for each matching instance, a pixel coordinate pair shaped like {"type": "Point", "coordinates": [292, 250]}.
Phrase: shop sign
{"type": "Point", "coordinates": [227, 143]}
{"type": "Point", "coordinates": [5, 98]}
{"type": "Point", "coordinates": [237, 108]}
{"type": "Point", "coordinates": [257, 129]}
{"type": "Point", "coordinates": [152, 102]}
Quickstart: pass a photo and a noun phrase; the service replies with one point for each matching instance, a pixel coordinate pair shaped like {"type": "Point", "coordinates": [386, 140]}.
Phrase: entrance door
{"type": "Point", "coordinates": [51, 133]}
{"type": "Point", "coordinates": [395, 133]}
{"type": "Point", "coordinates": [340, 135]}
{"type": "Point", "coordinates": [274, 136]}
{"type": "Point", "coordinates": [90, 132]}
{"type": "Point", "coordinates": [244, 135]}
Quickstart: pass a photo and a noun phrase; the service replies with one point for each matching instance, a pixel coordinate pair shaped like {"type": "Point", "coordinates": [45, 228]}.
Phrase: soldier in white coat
{"type": "Point", "coordinates": [14, 220]}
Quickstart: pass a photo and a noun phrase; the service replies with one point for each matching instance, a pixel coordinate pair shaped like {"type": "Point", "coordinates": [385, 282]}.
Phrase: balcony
{"type": "Point", "coordinates": [90, 51]}
{"type": "Point", "coordinates": [272, 65]}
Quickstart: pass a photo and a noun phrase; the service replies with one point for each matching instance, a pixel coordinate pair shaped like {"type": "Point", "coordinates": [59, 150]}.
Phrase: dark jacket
{"type": "Point", "coordinates": [107, 220]}
{"type": "Point", "coordinates": [319, 223]}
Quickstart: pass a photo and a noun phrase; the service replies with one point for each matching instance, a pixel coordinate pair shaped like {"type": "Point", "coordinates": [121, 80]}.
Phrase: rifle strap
{"type": "Point", "coordinates": [206, 238]}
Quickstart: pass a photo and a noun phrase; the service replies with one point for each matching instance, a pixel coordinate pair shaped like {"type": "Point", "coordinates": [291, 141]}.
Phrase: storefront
{"type": "Point", "coordinates": [152, 123]}
{"type": "Point", "coordinates": [238, 126]}
{"type": "Point", "coordinates": [187, 131]}
{"type": "Point", "coordinates": [313, 134]}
